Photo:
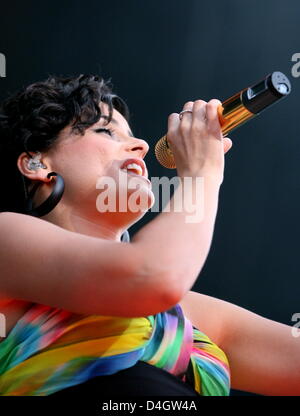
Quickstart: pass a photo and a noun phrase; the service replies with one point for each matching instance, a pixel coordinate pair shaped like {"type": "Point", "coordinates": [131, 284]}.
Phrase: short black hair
{"type": "Point", "coordinates": [32, 118]}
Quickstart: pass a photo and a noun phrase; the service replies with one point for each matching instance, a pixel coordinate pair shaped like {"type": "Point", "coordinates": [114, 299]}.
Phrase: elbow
{"type": "Point", "coordinates": [170, 291]}
{"type": "Point", "coordinates": [156, 291]}
{"type": "Point", "coordinates": [166, 289]}
{"type": "Point", "coordinates": [159, 288]}
{"type": "Point", "coordinates": [160, 299]}
{"type": "Point", "coordinates": [177, 283]}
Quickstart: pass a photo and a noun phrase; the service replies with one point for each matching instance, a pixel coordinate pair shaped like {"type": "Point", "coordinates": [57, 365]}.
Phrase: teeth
{"type": "Point", "coordinates": [134, 167]}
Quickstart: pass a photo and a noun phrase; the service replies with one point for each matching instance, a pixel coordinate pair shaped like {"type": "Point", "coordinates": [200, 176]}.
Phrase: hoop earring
{"type": "Point", "coordinates": [52, 200]}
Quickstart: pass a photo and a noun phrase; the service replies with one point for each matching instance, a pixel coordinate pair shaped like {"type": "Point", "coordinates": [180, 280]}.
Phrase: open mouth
{"type": "Point", "coordinates": [134, 169]}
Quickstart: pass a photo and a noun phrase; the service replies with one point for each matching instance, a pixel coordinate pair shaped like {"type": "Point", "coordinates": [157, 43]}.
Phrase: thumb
{"type": "Point", "coordinates": [227, 144]}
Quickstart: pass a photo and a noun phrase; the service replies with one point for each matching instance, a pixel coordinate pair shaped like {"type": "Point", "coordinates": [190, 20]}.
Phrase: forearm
{"type": "Point", "coordinates": [172, 246]}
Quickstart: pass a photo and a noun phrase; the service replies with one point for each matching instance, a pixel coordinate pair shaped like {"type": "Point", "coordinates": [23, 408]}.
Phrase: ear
{"type": "Point", "coordinates": [39, 174]}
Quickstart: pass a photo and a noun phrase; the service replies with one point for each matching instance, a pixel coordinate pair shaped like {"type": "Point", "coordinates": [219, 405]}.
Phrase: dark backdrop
{"type": "Point", "coordinates": [160, 54]}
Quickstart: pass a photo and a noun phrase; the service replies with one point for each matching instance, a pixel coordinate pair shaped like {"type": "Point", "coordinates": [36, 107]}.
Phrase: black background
{"type": "Point", "coordinates": [160, 54]}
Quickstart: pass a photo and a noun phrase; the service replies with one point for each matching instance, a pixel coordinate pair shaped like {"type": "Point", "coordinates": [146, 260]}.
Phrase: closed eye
{"type": "Point", "coordinates": [101, 130]}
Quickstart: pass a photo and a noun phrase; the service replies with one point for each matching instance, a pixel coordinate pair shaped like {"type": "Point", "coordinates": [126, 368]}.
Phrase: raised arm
{"type": "Point", "coordinates": [44, 263]}
{"type": "Point", "coordinates": [47, 264]}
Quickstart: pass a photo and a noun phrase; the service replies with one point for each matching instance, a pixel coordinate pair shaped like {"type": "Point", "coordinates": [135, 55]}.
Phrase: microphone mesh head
{"type": "Point", "coordinates": [164, 154]}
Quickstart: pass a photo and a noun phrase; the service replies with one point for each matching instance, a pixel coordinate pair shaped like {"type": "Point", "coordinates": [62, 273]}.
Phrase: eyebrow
{"type": "Point", "coordinates": [114, 121]}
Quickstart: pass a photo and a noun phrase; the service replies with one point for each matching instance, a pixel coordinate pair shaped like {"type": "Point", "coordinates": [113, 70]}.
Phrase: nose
{"type": "Point", "coordinates": [138, 146]}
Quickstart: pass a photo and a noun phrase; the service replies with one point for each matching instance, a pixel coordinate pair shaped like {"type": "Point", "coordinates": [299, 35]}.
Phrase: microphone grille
{"type": "Point", "coordinates": [164, 154]}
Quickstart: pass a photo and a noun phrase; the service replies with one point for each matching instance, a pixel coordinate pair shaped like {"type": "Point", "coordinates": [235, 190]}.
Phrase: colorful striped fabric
{"type": "Point", "coordinates": [50, 349]}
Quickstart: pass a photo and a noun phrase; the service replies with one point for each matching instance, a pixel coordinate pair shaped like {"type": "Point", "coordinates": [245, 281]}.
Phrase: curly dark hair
{"type": "Point", "coordinates": [31, 120]}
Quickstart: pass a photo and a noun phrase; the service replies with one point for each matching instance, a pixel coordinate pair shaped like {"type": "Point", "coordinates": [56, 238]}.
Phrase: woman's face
{"type": "Point", "coordinates": [91, 166]}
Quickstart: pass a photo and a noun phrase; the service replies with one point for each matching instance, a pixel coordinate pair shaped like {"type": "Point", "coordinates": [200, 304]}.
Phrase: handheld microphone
{"type": "Point", "coordinates": [237, 109]}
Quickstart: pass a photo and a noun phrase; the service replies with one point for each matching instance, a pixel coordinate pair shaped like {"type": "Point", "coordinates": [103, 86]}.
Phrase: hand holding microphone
{"type": "Point", "coordinates": [233, 112]}
{"type": "Point", "coordinates": [196, 140]}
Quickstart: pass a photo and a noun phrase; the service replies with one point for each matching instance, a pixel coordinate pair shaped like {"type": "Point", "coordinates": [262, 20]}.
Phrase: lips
{"type": "Point", "coordinates": [138, 162]}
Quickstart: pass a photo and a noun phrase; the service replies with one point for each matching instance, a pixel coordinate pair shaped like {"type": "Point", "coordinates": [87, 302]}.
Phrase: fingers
{"type": "Point", "coordinates": [199, 115]}
{"type": "Point", "coordinates": [188, 106]}
{"type": "Point", "coordinates": [227, 144]}
{"type": "Point", "coordinates": [173, 124]}
{"type": "Point", "coordinates": [202, 113]}
{"type": "Point", "coordinates": [212, 114]}
{"type": "Point", "coordinates": [174, 121]}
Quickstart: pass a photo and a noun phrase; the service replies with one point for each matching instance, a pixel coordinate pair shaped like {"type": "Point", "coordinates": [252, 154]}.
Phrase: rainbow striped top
{"type": "Point", "coordinates": [50, 349]}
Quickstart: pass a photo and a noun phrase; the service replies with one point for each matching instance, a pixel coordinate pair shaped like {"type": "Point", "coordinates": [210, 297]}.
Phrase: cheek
{"type": "Point", "coordinates": [81, 164]}
{"type": "Point", "coordinates": [87, 156]}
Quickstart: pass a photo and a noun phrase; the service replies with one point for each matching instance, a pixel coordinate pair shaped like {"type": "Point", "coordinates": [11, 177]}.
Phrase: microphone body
{"type": "Point", "coordinates": [238, 109]}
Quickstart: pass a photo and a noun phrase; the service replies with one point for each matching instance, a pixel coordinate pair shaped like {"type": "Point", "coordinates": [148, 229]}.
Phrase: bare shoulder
{"type": "Point", "coordinates": [208, 314]}
{"type": "Point", "coordinates": [11, 222]}
{"type": "Point", "coordinates": [8, 216]}
{"type": "Point", "coordinates": [14, 219]}
{"type": "Point", "coordinates": [15, 226]}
